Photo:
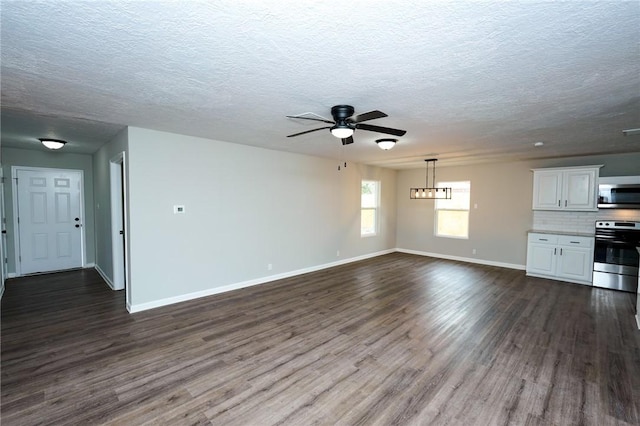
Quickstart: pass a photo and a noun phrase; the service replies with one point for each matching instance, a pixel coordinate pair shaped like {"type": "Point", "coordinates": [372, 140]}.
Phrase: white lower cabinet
{"type": "Point", "coordinates": [561, 257]}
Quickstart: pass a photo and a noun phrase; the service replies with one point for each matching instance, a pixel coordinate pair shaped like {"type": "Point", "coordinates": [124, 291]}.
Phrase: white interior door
{"type": "Point", "coordinates": [49, 219]}
{"type": "Point", "coordinates": [3, 226]}
{"type": "Point", "coordinates": [117, 222]}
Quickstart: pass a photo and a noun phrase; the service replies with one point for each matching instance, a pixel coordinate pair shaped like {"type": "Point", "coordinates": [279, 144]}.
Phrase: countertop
{"type": "Point", "coordinates": [574, 234]}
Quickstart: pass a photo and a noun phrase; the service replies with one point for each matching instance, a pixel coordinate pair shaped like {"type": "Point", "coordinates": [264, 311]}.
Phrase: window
{"type": "Point", "coordinates": [452, 216]}
{"type": "Point", "coordinates": [369, 201]}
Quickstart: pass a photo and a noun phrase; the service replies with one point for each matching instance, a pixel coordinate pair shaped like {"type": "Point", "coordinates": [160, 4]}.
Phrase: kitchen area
{"type": "Point", "coordinates": [586, 229]}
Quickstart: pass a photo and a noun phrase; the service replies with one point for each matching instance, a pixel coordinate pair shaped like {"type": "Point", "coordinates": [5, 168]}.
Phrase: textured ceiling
{"type": "Point", "coordinates": [469, 81]}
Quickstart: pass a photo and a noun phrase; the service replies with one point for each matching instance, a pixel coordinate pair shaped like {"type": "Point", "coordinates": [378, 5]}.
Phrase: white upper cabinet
{"type": "Point", "coordinates": [571, 188]}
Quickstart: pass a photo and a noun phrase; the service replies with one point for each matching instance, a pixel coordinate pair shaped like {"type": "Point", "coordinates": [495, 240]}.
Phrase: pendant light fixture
{"type": "Point", "coordinates": [430, 192]}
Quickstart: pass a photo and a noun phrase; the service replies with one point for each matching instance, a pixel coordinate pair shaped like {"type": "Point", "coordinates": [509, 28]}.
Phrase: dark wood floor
{"type": "Point", "coordinates": [398, 339]}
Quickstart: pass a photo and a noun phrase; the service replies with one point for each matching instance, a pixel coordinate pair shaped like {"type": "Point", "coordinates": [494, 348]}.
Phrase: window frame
{"type": "Point", "coordinates": [455, 185]}
{"type": "Point", "coordinates": [375, 209]}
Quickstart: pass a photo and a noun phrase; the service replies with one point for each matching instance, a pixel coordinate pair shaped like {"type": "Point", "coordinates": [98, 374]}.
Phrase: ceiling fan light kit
{"type": "Point", "coordinates": [52, 143]}
{"type": "Point", "coordinates": [430, 192]}
{"type": "Point", "coordinates": [386, 144]}
{"type": "Point", "coordinates": [342, 132]}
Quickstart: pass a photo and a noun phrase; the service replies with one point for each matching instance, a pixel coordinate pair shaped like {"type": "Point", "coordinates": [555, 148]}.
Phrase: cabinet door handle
{"type": "Point", "coordinates": [554, 250]}
{"type": "Point", "coordinates": [558, 203]}
{"type": "Point", "coordinates": [565, 203]}
{"type": "Point", "coordinates": [560, 252]}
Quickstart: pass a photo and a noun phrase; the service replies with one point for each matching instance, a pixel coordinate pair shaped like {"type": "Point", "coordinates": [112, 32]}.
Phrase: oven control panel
{"type": "Point", "coordinates": [609, 224]}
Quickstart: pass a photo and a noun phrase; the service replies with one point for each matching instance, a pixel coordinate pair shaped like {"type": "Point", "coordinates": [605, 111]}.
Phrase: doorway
{"type": "Point", "coordinates": [3, 226]}
{"type": "Point", "coordinates": [118, 222]}
{"type": "Point", "coordinates": [48, 216]}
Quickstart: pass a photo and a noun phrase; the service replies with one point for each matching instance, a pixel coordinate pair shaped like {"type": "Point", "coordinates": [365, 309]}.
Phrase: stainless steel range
{"type": "Point", "coordinates": [616, 260]}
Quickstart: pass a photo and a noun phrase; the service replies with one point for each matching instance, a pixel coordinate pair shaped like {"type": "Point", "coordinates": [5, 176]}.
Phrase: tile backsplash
{"type": "Point", "coordinates": [581, 222]}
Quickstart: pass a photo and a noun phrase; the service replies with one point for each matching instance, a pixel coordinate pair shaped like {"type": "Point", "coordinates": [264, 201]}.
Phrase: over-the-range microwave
{"type": "Point", "coordinates": [620, 192]}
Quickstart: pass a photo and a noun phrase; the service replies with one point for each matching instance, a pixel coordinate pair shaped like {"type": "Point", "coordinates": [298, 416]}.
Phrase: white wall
{"type": "Point", "coordinates": [102, 196]}
{"type": "Point", "coordinates": [246, 207]}
{"type": "Point", "coordinates": [502, 193]}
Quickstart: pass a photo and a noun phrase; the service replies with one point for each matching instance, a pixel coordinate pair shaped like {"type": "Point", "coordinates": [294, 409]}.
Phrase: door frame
{"type": "Point", "coordinates": [119, 209]}
{"type": "Point", "coordinates": [16, 225]}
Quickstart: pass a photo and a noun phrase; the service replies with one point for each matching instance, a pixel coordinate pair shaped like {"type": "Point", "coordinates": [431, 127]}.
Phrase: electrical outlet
{"type": "Point", "coordinates": [269, 267]}
{"type": "Point", "coordinates": [473, 251]}
{"type": "Point", "coordinates": [338, 253]}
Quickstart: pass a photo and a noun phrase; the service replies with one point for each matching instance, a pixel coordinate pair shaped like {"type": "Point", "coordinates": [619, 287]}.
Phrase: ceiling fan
{"type": "Point", "coordinates": [345, 123]}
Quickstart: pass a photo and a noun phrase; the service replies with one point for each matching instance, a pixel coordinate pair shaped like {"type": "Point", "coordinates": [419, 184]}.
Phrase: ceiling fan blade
{"type": "Point", "coordinates": [308, 131]}
{"type": "Point", "coordinates": [379, 129]}
{"type": "Point", "coordinates": [371, 115]}
{"type": "Point", "coordinates": [347, 141]}
{"type": "Point", "coordinates": [311, 118]}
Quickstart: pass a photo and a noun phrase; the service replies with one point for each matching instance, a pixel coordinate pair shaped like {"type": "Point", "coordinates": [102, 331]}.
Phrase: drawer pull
{"type": "Point", "coordinates": [574, 242]}
{"type": "Point", "coordinates": [543, 239]}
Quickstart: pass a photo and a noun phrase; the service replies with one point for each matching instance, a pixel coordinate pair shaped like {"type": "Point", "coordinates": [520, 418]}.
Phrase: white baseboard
{"type": "Point", "coordinates": [105, 277]}
{"type": "Point", "coordinates": [12, 275]}
{"type": "Point", "coordinates": [89, 265]}
{"type": "Point", "coordinates": [1, 291]}
{"type": "Point", "coordinates": [132, 308]}
{"type": "Point", "coordinates": [464, 259]}
{"type": "Point", "coordinates": [638, 320]}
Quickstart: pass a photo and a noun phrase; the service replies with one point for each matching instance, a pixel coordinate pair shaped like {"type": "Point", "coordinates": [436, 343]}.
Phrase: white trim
{"type": "Point", "coordinates": [89, 266]}
{"type": "Point", "coordinates": [638, 320]}
{"type": "Point", "coordinates": [463, 259]}
{"type": "Point", "coordinates": [132, 308]}
{"type": "Point", "coordinates": [104, 277]}
{"type": "Point", "coordinates": [1, 291]}
{"type": "Point", "coordinates": [12, 275]}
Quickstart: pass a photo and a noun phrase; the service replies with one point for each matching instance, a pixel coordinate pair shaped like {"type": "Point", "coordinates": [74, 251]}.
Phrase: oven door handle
{"type": "Point", "coordinates": [611, 240]}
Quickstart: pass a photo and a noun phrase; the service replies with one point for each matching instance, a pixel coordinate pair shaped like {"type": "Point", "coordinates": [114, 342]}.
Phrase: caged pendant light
{"type": "Point", "coordinates": [430, 192]}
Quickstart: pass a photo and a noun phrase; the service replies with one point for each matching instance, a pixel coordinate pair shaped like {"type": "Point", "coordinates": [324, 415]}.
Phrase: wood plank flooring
{"type": "Point", "coordinates": [398, 339]}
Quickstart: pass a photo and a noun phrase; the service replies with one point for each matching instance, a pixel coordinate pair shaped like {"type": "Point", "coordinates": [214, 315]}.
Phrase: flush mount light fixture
{"type": "Point", "coordinates": [630, 132]}
{"type": "Point", "coordinates": [52, 143]}
{"type": "Point", "coordinates": [430, 192]}
{"type": "Point", "coordinates": [386, 144]}
{"type": "Point", "coordinates": [538, 144]}
{"type": "Point", "coordinates": [341, 131]}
